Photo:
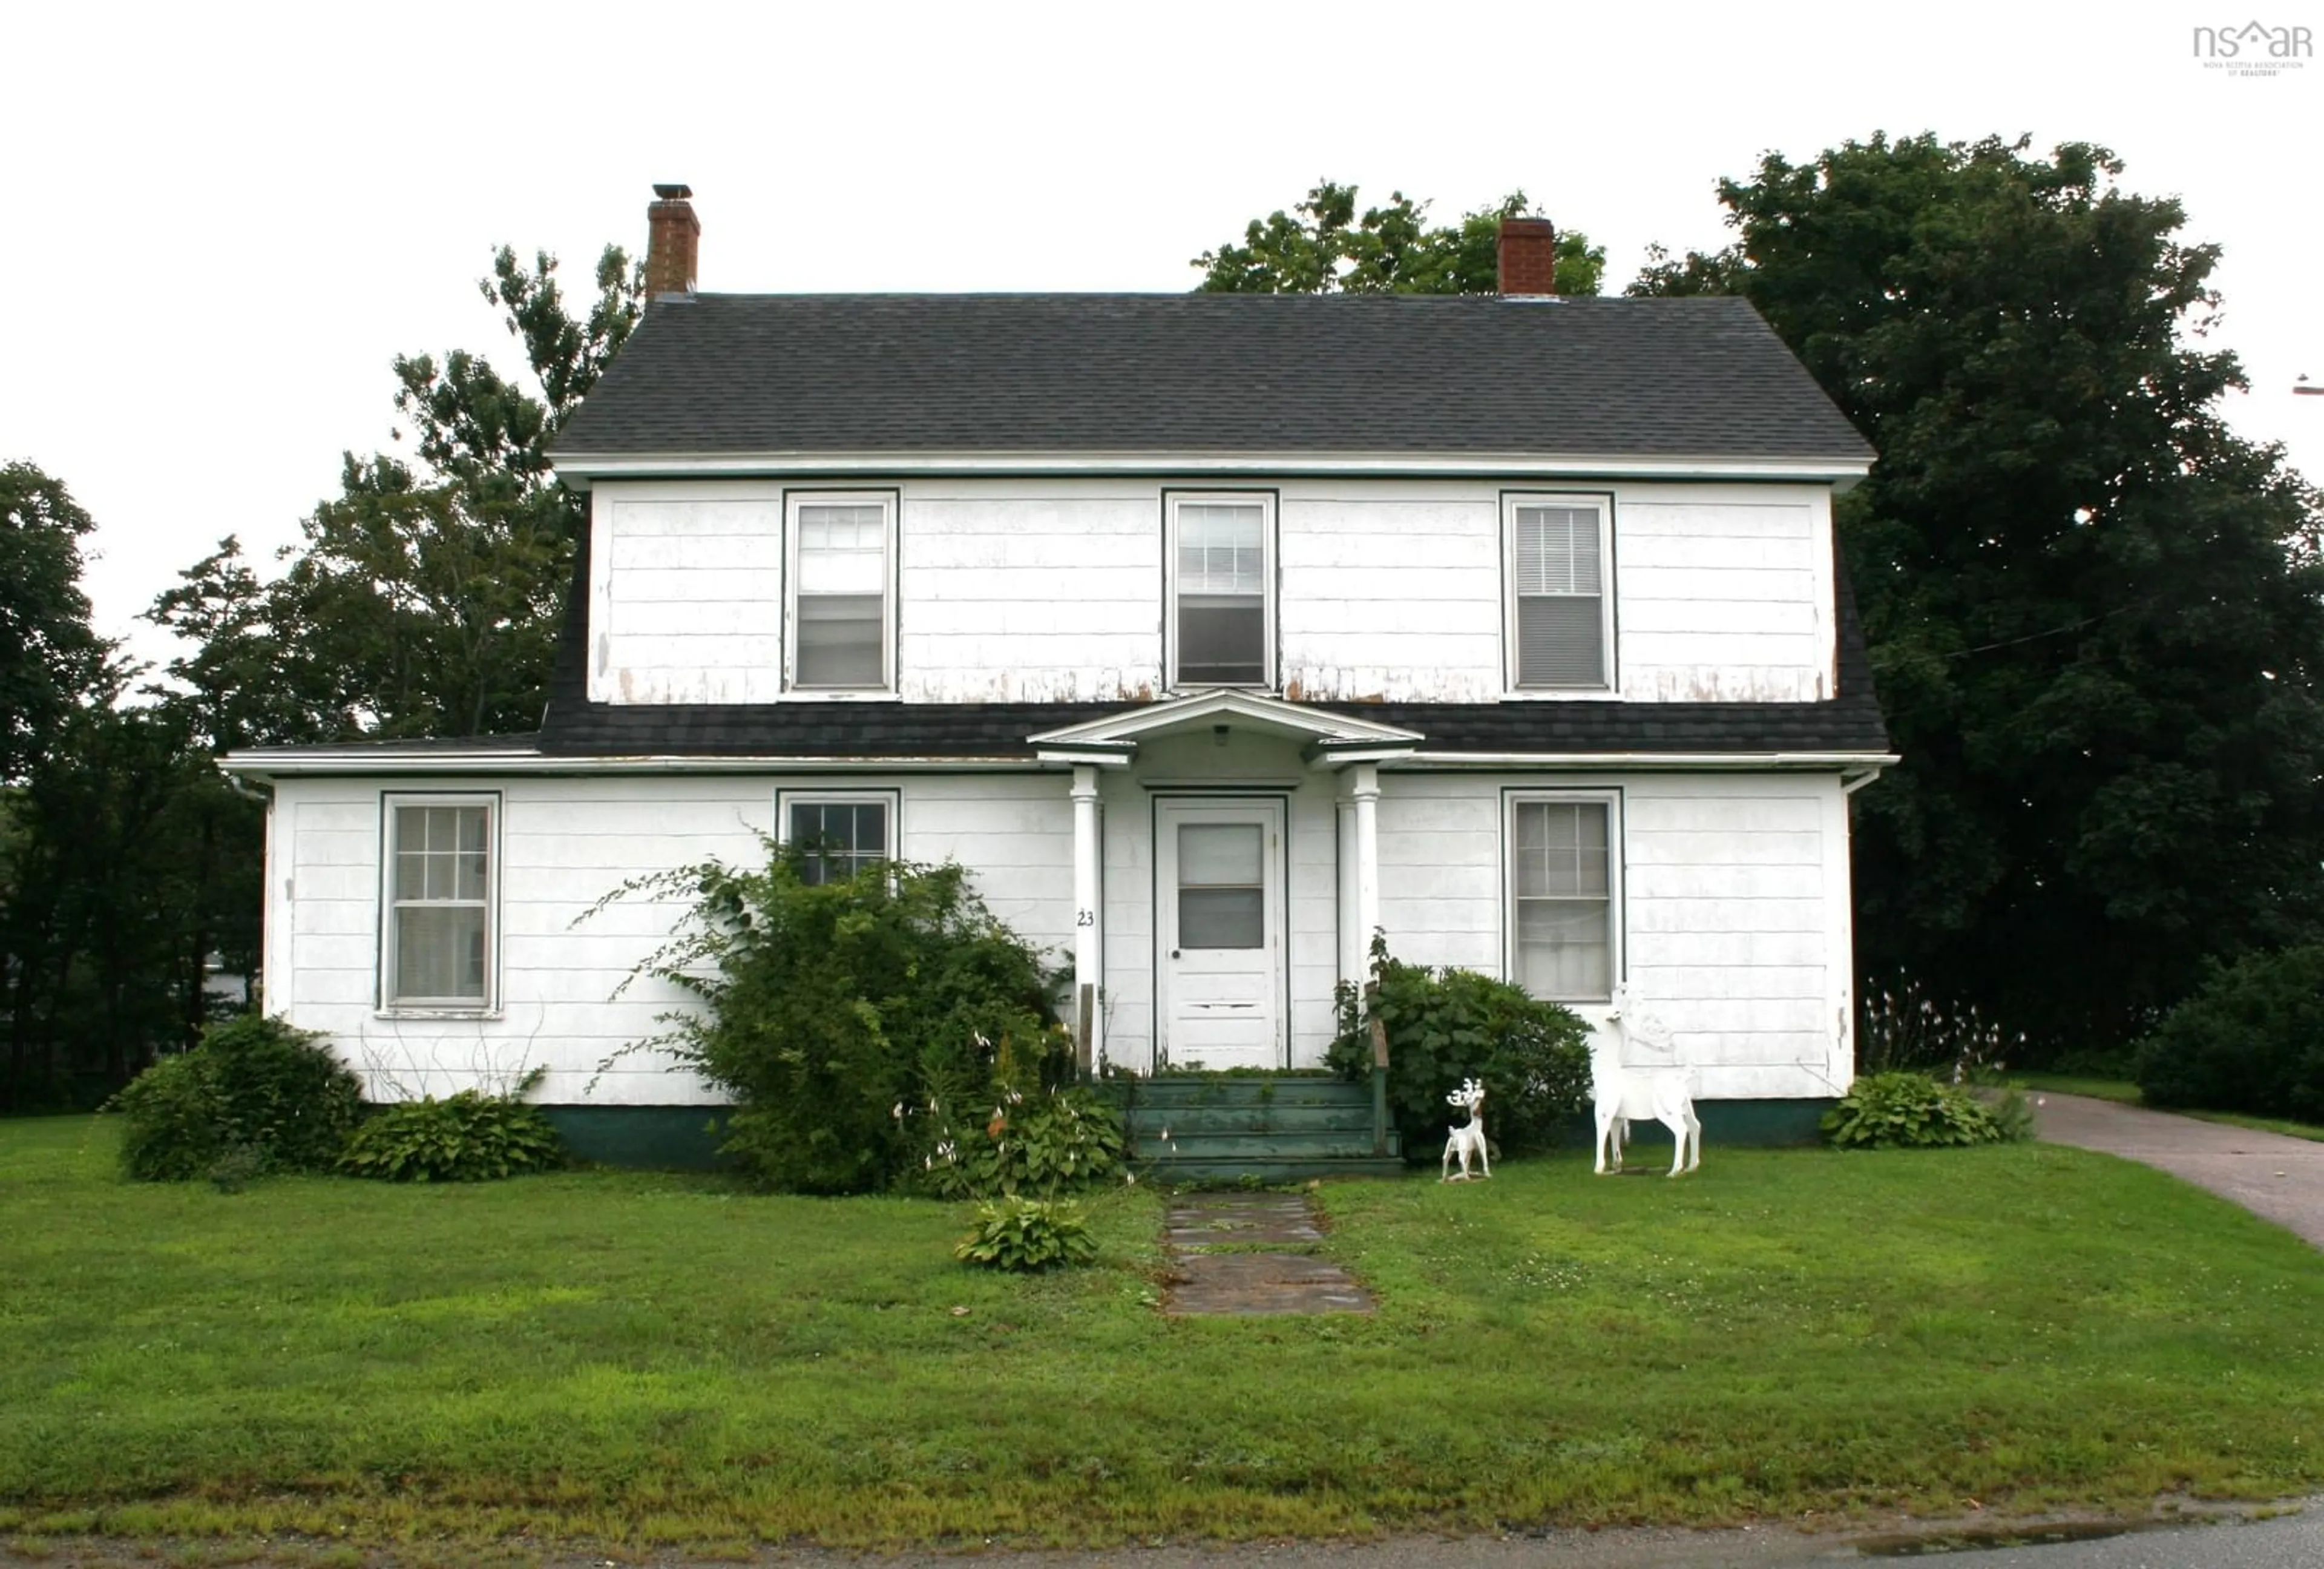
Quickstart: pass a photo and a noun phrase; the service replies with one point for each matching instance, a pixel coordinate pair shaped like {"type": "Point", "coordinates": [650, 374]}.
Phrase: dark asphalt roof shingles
{"type": "Point", "coordinates": [1204, 374]}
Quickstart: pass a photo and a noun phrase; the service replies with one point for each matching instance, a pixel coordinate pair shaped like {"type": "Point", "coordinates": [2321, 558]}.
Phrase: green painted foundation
{"type": "Point", "coordinates": [1742, 1124]}
{"type": "Point", "coordinates": [680, 1137]}
{"type": "Point", "coordinates": [645, 1138]}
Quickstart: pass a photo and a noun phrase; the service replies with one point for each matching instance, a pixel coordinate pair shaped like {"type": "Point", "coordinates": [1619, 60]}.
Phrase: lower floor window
{"type": "Point", "coordinates": [441, 879]}
{"type": "Point", "coordinates": [839, 835]}
{"type": "Point", "coordinates": [1561, 885]}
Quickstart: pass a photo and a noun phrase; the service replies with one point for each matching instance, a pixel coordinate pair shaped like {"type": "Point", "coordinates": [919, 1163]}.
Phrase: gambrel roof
{"type": "Point", "coordinates": [783, 377]}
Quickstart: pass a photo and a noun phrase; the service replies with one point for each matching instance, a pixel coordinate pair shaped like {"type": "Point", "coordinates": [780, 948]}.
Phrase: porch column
{"type": "Point", "coordinates": [1352, 941]}
{"type": "Point", "coordinates": [1364, 791]}
{"type": "Point", "coordinates": [1084, 1012]}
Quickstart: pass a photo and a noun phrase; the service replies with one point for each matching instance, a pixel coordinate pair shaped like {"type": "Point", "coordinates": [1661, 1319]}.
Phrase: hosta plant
{"type": "Point", "coordinates": [1906, 1110]}
{"type": "Point", "coordinates": [469, 1137]}
{"type": "Point", "coordinates": [1026, 1234]}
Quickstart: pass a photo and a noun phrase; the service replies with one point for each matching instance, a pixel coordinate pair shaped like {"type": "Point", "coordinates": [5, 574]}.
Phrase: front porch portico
{"type": "Point", "coordinates": [1216, 868]}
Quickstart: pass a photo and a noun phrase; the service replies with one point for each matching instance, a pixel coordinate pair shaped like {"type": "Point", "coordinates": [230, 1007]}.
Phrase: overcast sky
{"type": "Point", "coordinates": [223, 222]}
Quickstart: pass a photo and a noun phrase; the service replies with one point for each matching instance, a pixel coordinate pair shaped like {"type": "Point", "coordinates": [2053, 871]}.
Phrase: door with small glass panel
{"type": "Point", "coordinates": [1219, 935]}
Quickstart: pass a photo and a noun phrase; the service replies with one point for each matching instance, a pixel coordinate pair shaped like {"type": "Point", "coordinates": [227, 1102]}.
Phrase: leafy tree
{"type": "Point", "coordinates": [426, 598]}
{"type": "Point", "coordinates": [2094, 611]}
{"type": "Point", "coordinates": [49, 656]}
{"type": "Point", "coordinates": [1389, 250]}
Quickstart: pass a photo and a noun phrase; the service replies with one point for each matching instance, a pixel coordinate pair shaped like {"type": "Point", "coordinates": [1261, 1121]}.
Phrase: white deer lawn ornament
{"type": "Point", "coordinates": [1621, 1094]}
{"type": "Point", "coordinates": [1471, 1139]}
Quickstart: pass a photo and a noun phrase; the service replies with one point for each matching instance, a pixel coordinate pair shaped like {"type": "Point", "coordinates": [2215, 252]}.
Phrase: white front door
{"type": "Point", "coordinates": [1218, 959]}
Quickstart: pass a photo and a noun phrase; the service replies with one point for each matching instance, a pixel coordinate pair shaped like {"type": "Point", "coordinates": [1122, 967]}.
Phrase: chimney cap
{"type": "Point", "coordinates": [673, 192]}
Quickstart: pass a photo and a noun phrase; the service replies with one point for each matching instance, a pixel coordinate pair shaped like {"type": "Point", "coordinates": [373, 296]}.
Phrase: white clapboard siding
{"type": "Point", "coordinates": [564, 843]}
{"type": "Point", "coordinates": [1391, 593]}
{"type": "Point", "coordinates": [1733, 908]}
{"type": "Point", "coordinates": [1030, 592]}
{"type": "Point", "coordinates": [686, 593]}
{"type": "Point", "coordinates": [1724, 595]}
{"type": "Point", "coordinates": [1733, 912]}
{"type": "Point", "coordinates": [1052, 590]}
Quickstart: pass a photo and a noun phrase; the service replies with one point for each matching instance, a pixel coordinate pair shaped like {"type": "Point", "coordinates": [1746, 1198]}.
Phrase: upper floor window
{"type": "Point", "coordinates": [1560, 623]}
{"type": "Point", "coordinates": [442, 881]}
{"type": "Point", "coordinates": [1221, 557]}
{"type": "Point", "coordinates": [842, 598]}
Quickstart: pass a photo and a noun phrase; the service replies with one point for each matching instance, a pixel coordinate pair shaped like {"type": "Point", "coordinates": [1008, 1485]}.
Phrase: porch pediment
{"type": "Point", "coordinates": [1333, 738]}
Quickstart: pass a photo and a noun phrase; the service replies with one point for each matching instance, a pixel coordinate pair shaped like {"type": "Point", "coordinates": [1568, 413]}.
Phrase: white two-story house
{"type": "Point", "coordinates": [1212, 632]}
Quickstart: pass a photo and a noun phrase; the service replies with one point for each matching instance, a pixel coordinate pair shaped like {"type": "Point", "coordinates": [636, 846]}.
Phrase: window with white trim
{"type": "Point", "coordinates": [1221, 584]}
{"type": "Point", "coordinates": [843, 571]}
{"type": "Point", "coordinates": [839, 834]}
{"type": "Point", "coordinates": [1561, 625]}
{"type": "Point", "coordinates": [442, 880]}
{"type": "Point", "coordinates": [1564, 892]}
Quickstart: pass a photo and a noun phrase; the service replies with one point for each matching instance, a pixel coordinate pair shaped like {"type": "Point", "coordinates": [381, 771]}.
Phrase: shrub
{"type": "Point", "coordinates": [1902, 1110]}
{"type": "Point", "coordinates": [1051, 1141]}
{"type": "Point", "coordinates": [2250, 1039]}
{"type": "Point", "coordinates": [1447, 1025]}
{"type": "Point", "coordinates": [1027, 1234]}
{"type": "Point", "coordinates": [172, 1133]}
{"type": "Point", "coordinates": [470, 1137]}
{"type": "Point", "coordinates": [828, 1009]}
{"type": "Point", "coordinates": [252, 1084]}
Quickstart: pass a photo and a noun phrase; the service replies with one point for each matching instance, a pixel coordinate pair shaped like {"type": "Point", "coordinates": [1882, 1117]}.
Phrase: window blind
{"type": "Point", "coordinates": [1558, 582]}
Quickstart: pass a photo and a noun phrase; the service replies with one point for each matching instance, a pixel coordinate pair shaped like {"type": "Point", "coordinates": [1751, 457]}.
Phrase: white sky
{"type": "Point", "coordinates": [222, 222]}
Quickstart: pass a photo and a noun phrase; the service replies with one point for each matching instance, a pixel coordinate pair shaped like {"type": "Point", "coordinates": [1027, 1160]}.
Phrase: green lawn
{"type": "Point", "coordinates": [633, 1358]}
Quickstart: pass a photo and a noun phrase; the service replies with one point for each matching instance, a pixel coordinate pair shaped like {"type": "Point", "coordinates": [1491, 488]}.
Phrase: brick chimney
{"type": "Point", "coordinates": [673, 236]}
{"type": "Point", "coordinates": [1528, 256]}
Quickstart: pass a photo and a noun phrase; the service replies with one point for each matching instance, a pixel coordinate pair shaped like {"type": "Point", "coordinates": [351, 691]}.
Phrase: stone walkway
{"type": "Point", "coordinates": [2275, 1176]}
{"type": "Point", "coordinates": [1250, 1254]}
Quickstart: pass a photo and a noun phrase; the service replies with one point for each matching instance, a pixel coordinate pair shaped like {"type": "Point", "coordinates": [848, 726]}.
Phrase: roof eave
{"type": "Point", "coordinates": [579, 469]}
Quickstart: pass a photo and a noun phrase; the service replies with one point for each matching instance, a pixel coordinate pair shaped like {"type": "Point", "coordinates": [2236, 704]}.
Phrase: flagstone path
{"type": "Point", "coordinates": [1250, 1254]}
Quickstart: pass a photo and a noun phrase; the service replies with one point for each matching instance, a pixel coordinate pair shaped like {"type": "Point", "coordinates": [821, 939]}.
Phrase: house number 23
{"type": "Point", "coordinates": [1085, 918]}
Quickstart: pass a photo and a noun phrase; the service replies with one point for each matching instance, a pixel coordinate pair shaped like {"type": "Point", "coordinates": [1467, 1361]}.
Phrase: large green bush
{"type": "Point", "coordinates": [2250, 1039]}
{"type": "Point", "coordinates": [1444, 1026]}
{"type": "Point", "coordinates": [254, 1087]}
{"type": "Point", "coordinates": [833, 1011]}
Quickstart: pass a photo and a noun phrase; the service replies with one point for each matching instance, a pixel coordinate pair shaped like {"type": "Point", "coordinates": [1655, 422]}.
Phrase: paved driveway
{"type": "Point", "coordinates": [2277, 1178]}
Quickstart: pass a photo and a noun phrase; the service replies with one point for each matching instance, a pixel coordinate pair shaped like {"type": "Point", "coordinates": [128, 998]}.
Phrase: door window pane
{"type": "Point", "coordinates": [1221, 891]}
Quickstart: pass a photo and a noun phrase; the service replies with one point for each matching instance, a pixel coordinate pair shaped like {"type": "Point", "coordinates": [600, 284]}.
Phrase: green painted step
{"type": "Point", "coordinates": [1282, 1090]}
{"type": "Point", "coordinates": [1258, 1145]}
{"type": "Point", "coordinates": [1270, 1173]}
{"type": "Point", "coordinates": [1270, 1118]}
{"type": "Point", "coordinates": [1267, 1128]}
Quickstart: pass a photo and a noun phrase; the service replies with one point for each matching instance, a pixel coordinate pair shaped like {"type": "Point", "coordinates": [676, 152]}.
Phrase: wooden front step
{"type": "Point", "coordinates": [1270, 1128]}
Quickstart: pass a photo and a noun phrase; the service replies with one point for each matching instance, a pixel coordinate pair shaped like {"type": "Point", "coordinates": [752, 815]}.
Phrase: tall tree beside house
{"type": "Point", "coordinates": [1328, 248]}
{"type": "Point", "coordinates": [49, 655]}
{"type": "Point", "coordinates": [126, 858]}
{"type": "Point", "coordinates": [426, 597]}
{"type": "Point", "coordinates": [2096, 615]}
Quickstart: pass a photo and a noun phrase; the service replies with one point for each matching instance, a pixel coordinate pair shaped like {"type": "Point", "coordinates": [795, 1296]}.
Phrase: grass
{"type": "Point", "coordinates": [625, 1358]}
{"type": "Point", "coordinates": [2123, 1090]}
